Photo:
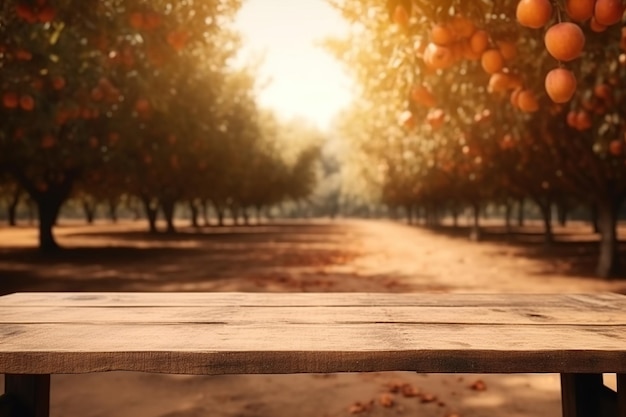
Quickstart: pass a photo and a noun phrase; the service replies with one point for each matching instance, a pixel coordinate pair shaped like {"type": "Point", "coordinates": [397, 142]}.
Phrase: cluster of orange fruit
{"type": "Point", "coordinates": [565, 40]}
{"type": "Point", "coordinates": [459, 39]}
{"type": "Point", "coordinates": [40, 12]}
{"type": "Point", "coordinates": [602, 99]}
{"type": "Point", "coordinates": [12, 100]}
{"type": "Point", "coordinates": [144, 20]}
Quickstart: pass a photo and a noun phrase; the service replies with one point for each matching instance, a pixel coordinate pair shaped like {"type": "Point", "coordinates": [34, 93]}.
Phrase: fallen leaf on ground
{"type": "Point", "coordinates": [386, 400]}
{"type": "Point", "coordinates": [428, 398]}
{"type": "Point", "coordinates": [479, 385]}
{"type": "Point", "coordinates": [394, 386]}
{"type": "Point", "coordinates": [358, 407]}
{"type": "Point", "coordinates": [409, 391]}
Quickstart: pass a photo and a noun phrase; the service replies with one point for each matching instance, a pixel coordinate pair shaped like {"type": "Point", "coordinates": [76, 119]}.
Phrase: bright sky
{"type": "Point", "coordinates": [306, 81]}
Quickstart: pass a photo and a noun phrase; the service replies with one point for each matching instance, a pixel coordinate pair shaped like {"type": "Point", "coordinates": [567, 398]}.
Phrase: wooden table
{"type": "Point", "coordinates": [579, 336]}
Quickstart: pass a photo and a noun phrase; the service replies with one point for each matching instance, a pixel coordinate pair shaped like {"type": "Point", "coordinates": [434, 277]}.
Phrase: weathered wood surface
{"type": "Point", "coordinates": [216, 333]}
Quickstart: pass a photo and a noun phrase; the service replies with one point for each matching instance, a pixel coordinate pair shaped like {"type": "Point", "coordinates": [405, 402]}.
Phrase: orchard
{"type": "Point", "coordinates": [469, 103]}
{"type": "Point", "coordinates": [111, 100]}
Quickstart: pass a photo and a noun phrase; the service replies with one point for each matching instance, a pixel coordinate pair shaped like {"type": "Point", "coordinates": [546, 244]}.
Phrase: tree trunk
{"type": "Point", "coordinates": [12, 207]}
{"type": "Point", "coordinates": [594, 218]}
{"type": "Point", "coordinates": [475, 232]}
{"type": "Point", "coordinates": [561, 210]}
{"type": "Point", "coordinates": [258, 211]}
{"type": "Point", "coordinates": [168, 206]}
{"type": "Point", "coordinates": [546, 214]}
{"type": "Point", "coordinates": [608, 262]}
{"type": "Point", "coordinates": [234, 212]}
{"type": "Point", "coordinates": [409, 213]}
{"type": "Point", "coordinates": [152, 210]}
{"type": "Point", "coordinates": [205, 212]}
{"type": "Point", "coordinates": [520, 212]}
{"type": "Point", "coordinates": [508, 214]}
{"type": "Point", "coordinates": [90, 210]}
{"type": "Point", "coordinates": [32, 211]}
{"type": "Point", "coordinates": [246, 217]}
{"type": "Point", "coordinates": [219, 211]}
{"type": "Point", "coordinates": [194, 212]}
{"type": "Point", "coordinates": [113, 204]}
{"type": "Point", "coordinates": [455, 215]}
{"type": "Point", "coordinates": [48, 206]}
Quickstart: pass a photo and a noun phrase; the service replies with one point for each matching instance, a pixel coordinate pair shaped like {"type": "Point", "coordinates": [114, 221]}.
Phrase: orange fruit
{"type": "Point", "coordinates": [565, 41]}
{"type": "Point", "coordinates": [25, 12]}
{"type": "Point", "coordinates": [515, 97]}
{"type": "Point", "coordinates": [401, 16]}
{"type": "Point", "coordinates": [58, 83]}
{"type": "Point", "coordinates": [469, 53]}
{"type": "Point", "coordinates": [499, 82]}
{"type": "Point", "coordinates": [595, 26]}
{"type": "Point", "coordinates": [615, 147]}
{"type": "Point", "coordinates": [23, 55]}
{"type": "Point", "coordinates": [142, 105]}
{"type": "Point", "coordinates": [507, 49]}
{"type": "Point", "coordinates": [46, 14]}
{"type": "Point", "coordinates": [492, 61]}
{"type": "Point", "coordinates": [151, 20]}
{"type": "Point", "coordinates": [602, 91]}
{"type": "Point", "coordinates": [27, 102]}
{"type": "Point", "coordinates": [441, 35]}
{"type": "Point", "coordinates": [580, 10]}
{"type": "Point", "coordinates": [571, 119]}
{"type": "Point", "coordinates": [608, 12]}
{"type": "Point", "coordinates": [136, 20]}
{"type": "Point", "coordinates": [96, 94]}
{"type": "Point", "coordinates": [527, 101]}
{"type": "Point", "coordinates": [515, 81]}
{"type": "Point", "coordinates": [560, 85]}
{"type": "Point", "coordinates": [583, 120]}
{"type": "Point", "coordinates": [438, 57]}
{"type": "Point", "coordinates": [10, 100]}
{"type": "Point", "coordinates": [422, 95]}
{"type": "Point", "coordinates": [534, 13]}
{"type": "Point", "coordinates": [48, 141]}
{"type": "Point", "coordinates": [479, 41]}
{"type": "Point", "coordinates": [462, 27]}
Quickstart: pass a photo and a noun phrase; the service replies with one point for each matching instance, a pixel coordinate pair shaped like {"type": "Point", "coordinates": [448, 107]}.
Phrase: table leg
{"type": "Point", "coordinates": [621, 395]}
{"type": "Point", "coordinates": [31, 393]}
{"type": "Point", "coordinates": [585, 395]}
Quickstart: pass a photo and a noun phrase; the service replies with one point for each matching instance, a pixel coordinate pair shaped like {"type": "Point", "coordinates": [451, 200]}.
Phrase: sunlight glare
{"type": "Point", "coordinates": [305, 81]}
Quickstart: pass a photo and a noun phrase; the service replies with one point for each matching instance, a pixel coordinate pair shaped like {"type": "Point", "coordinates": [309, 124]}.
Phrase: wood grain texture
{"type": "Point", "coordinates": [230, 333]}
{"type": "Point", "coordinates": [190, 299]}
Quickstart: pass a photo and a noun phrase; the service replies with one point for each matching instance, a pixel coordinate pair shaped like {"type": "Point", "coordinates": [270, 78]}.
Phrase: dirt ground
{"type": "Point", "coordinates": [346, 255]}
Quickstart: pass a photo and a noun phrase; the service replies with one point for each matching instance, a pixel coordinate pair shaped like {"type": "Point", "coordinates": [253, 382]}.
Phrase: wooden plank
{"type": "Point", "coordinates": [276, 348]}
{"type": "Point", "coordinates": [29, 393]}
{"type": "Point", "coordinates": [541, 315]}
{"type": "Point", "coordinates": [601, 300]}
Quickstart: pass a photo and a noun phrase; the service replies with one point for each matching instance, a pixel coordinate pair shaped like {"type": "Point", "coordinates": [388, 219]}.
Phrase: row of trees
{"type": "Point", "coordinates": [441, 128]}
{"type": "Point", "coordinates": [134, 97]}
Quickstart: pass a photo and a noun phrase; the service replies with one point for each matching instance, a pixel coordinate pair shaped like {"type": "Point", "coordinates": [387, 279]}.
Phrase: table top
{"type": "Point", "coordinates": [235, 333]}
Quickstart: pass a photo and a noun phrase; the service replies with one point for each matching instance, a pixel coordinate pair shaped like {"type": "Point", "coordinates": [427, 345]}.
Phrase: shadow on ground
{"type": "Point", "coordinates": [294, 257]}
{"type": "Point", "coordinates": [574, 251]}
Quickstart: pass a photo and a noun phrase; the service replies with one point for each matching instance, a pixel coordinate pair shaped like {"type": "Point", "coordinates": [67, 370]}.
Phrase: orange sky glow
{"type": "Point", "coordinates": [306, 81]}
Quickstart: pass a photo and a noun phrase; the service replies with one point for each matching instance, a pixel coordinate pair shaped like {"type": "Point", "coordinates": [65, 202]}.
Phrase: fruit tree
{"type": "Point", "coordinates": [493, 101]}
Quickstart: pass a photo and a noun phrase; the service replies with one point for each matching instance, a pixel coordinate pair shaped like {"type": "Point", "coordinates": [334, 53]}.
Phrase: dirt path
{"type": "Point", "coordinates": [322, 256]}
